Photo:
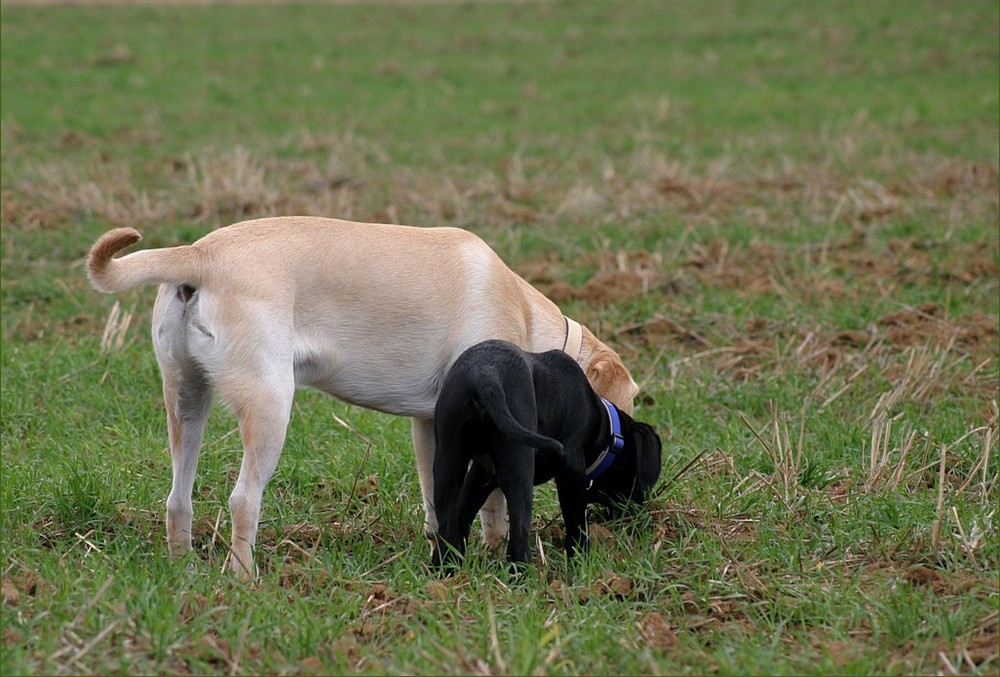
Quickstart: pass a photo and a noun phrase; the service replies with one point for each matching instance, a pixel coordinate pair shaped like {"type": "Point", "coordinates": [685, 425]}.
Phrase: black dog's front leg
{"type": "Point", "coordinates": [572, 490]}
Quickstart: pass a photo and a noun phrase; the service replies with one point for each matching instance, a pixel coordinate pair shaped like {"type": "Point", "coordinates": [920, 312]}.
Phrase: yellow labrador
{"type": "Point", "coordinates": [371, 314]}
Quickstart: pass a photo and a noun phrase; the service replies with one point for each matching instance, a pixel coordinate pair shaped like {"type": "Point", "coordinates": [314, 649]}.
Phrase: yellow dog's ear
{"type": "Point", "coordinates": [611, 379]}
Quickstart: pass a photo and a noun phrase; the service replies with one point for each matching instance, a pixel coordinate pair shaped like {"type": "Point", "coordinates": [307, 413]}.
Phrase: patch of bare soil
{"type": "Point", "coordinates": [981, 647]}
{"type": "Point", "coordinates": [656, 631]}
{"type": "Point", "coordinates": [927, 323]}
{"type": "Point", "coordinates": [845, 271]}
{"type": "Point", "coordinates": [907, 261]}
{"type": "Point", "coordinates": [952, 178]}
{"type": "Point", "coordinates": [620, 277]}
{"type": "Point", "coordinates": [838, 270]}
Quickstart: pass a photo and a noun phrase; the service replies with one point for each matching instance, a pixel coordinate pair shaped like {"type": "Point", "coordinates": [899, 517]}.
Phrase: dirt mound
{"type": "Point", "coordinates": [620, 277]}
{"type": "Point", "coordinates": [928, 324]}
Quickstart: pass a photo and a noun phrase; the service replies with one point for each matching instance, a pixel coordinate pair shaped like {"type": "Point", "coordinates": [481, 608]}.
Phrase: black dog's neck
{"type": "Point", "coordinates": [611, 442]}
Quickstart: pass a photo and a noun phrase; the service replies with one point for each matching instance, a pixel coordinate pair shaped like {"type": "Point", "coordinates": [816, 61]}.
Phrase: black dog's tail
{"type": "Point", "coordinates": [491, 398]}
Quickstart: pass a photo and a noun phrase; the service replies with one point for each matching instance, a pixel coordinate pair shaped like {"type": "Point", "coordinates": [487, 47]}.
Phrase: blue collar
{"type": "Point", "coordinates": [611, 451]}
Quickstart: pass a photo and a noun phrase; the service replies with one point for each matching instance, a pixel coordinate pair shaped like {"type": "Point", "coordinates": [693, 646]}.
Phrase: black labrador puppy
{"type": "Point", "coordinates": [522, 419]}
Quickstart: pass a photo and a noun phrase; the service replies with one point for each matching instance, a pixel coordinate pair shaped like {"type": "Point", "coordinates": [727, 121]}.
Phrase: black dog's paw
{"type": "Point", "coordinates": [610, 508]}
{"type": "Point", "coordinates": [445, 570]}
{"type": "Point", "coordinates": [445, 567]}
{"type": "Point", "coordinates": [446, 559]}
{"type": "Point", "coordinates": [518, 570]}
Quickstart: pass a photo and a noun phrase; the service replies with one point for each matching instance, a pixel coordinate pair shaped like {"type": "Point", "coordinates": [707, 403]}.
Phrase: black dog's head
{"type": "Point", "coordinates": [629, 479]}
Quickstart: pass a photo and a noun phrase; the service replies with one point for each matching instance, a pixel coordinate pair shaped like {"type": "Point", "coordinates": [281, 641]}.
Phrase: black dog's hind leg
{"type": "Point", "coordinates": [456, 519]}
{"type": "Point", "coordinates": [516, 478]}
{"type": "Point", "coordinates": [450, 467]}
{"type": "Point", "coordinates": [479, 484]}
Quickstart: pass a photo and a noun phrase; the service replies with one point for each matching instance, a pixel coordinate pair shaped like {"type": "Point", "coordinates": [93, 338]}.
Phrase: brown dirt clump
{"type": "Point", "coordinates": [610, 286]}
{"type": "Point", "coordinates": [620, 277]}
{"type": "Point", "coordinates": [656, 631]}
{"type": "Point", "coordinates": [662, 329]}
{"type": "Point", "coordinates": [982, 646]}
{"type": "Point", "coordinates": [928, 324]}
{"type": "Point", "coordinates": [956, 177]}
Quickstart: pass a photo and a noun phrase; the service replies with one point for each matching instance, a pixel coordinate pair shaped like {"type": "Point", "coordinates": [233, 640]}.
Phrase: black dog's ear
{"type": "Point", "coordinates": [648, 456]}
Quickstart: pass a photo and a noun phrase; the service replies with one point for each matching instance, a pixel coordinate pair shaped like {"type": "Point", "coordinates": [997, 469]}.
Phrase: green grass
{"type": "Point", "coordinates": [783, 215]}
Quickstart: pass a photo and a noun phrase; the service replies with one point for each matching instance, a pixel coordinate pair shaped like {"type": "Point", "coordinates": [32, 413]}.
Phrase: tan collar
{"type": "Point", "coordinates": [574, 338]}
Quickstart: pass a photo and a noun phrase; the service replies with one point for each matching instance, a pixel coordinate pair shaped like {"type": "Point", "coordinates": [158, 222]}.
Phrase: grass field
{"type": "Point", "coordinates": [783, 215]}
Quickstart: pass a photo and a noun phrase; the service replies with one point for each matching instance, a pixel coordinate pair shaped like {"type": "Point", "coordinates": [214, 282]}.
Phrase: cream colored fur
{"type": "Point", "coordinates": [371, 314]}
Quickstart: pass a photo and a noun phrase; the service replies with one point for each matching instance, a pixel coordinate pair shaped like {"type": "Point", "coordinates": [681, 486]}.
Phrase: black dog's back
{"type": "Point", "coordinates": [491, 397]}
{"type": "Point", "coordinates": [491, 372]}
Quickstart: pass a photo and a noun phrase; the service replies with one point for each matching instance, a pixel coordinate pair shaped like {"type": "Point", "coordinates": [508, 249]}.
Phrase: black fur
{"type": "Point", "coordinates": [522, 419]}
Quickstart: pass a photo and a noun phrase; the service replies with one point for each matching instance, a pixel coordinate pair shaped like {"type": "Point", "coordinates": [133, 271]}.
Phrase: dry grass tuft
{"type": "Point", "coordinates": [927, 372]}
{"type": "Point", "coordinates": [341, 175]}
{"type": "Point", "coordinates": [885, 466]}
{"type": "Point", "coordinates": [785, 454]}
{"type": "Point", "coordinates": [52, 195]}
{"type": "Point", "coordinates": [231, 186]}
{"type": "Point", "coordinates": [115, 329]}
